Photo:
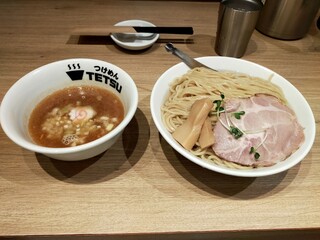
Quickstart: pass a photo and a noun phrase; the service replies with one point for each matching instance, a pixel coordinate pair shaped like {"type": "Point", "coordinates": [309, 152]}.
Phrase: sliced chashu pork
{"type": "Point", "coordinates": [270, 129]}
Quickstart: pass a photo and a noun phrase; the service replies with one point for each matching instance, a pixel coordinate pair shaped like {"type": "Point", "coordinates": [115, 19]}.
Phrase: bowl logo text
{"type": "Point", "coordinates": [99, 74]}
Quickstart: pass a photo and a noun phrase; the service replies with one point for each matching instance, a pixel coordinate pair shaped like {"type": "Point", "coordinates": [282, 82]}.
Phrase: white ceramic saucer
{"type": "Point", "coordinates": [135, 41]}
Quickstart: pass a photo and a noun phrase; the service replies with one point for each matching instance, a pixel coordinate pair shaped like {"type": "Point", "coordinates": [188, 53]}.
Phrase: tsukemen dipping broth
{"type": "Point", "coordinates": [74, 116]}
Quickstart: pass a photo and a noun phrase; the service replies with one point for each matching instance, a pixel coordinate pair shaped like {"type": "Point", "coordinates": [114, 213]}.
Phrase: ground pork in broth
{"type": "Point", "coordinates": [74, 116]}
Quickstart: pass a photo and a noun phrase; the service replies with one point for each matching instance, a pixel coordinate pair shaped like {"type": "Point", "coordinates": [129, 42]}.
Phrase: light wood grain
{"type": "Point", "coordinates": [142, 188]}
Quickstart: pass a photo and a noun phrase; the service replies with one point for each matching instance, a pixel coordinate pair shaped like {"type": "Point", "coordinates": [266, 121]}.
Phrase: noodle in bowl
{"type": "Point", "coordinates": [291, 96]}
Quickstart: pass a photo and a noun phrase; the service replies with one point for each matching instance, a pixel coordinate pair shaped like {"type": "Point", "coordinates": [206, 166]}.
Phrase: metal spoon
{"type": "Point", "coordinates": [191, 63]}
{"type": "Point", "coordinates": [131, 37]}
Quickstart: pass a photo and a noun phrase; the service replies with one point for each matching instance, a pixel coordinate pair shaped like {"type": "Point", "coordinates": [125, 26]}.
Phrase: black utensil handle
{"type": "Point", "coordinates": [168, 30]}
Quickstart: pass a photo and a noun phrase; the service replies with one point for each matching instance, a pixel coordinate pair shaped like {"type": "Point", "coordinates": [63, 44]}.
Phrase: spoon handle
{"type": "Point", "coordinates": [190, 62]}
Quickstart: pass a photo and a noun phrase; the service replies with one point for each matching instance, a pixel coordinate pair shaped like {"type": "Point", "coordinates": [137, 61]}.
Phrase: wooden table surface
{"type": "Point", "coordinates": [141, 188]}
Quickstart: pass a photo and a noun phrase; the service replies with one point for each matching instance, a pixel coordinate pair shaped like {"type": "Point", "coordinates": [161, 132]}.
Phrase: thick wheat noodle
{"type": "Point", "coordinates": [201, 82]}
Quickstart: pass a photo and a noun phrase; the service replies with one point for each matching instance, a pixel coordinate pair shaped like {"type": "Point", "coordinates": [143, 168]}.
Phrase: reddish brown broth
{"type": "Point", "coordinates": [51, 120]}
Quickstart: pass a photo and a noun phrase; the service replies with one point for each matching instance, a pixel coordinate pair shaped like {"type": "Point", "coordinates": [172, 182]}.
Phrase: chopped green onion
{"type": "Point", "coordinates": [235, 132]}
{"type": "Point", "coordinates": [238, 115]}
{"type": "Point", "coordinates": [252, 150]}
{"type": "Point", "coordinates": [256, 154]}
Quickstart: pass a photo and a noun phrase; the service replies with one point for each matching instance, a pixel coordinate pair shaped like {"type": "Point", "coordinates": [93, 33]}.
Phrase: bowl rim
{"type": "Point", "coordinates": [67, 150]}
{"type": "Point", "coordinates": [258, 172]}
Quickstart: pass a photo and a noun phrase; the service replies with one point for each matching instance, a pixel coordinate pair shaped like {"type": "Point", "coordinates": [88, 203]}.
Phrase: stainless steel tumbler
{"type": "Point", "coordinates": [287, 19]}
{"type": "Point", "coordinates": [236, 22]}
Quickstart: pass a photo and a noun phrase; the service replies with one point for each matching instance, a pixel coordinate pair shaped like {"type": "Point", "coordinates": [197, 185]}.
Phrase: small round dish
{"type": "Point", "coordinates": [295, 99]}
{"type": "Point", "coordinates": [135, 41]}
